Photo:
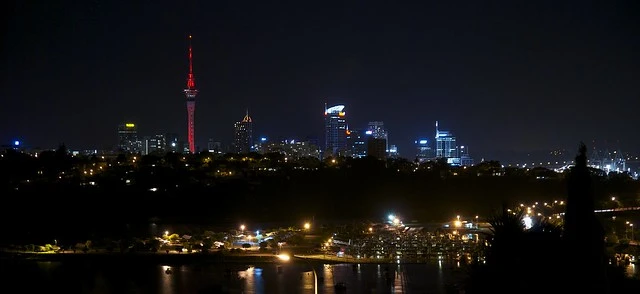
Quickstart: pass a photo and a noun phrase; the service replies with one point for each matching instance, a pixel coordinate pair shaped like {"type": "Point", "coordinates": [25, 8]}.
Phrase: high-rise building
{"type": "Point", "coordinates": [128, 141]}
{"type": "Point", "coordinates": [445, 144]}
{"type": "Point", "coordinates": [190, 93]}
{"type": "Point", "coordinates": [243, 135]}
{"type": "Point", "coordinates": [376, 130]}
{"type": "Point", "coordinates": [377, 147]}
{"type": "Point", "coordinates": [357, 143]}
{"type": "Point", "coordinates": [424, 152]}
{"type": "Point", "coordinates": [155, 144]}
{"type": "Point", "coordinates": [335, 127]}
{"type": "Point", "coordinates": [465, 159]}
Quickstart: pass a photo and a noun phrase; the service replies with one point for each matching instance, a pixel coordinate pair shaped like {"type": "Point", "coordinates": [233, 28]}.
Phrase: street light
{"type": "Point", "coordinates": [287, 257]}
{"type": "Point", "coordinates": [632, 238]}
{"type": "Point", "coordinates": [242, 227]}
{"type": "Point", "coordinates": [307, 226]}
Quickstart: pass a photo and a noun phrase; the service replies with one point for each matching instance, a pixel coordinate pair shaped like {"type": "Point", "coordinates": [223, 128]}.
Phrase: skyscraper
{"type": "Point", "coordinates": [357, 143]}
{"type": "Point", "coordinates": [424, 150]}
{"type": "Point", "coordinates": [128, 141]}
{"type": "Point", "coordinates": [335, 127]}
{"type": "Point", "coordinates": [190, 93]}
{"type": "Point", "coordinates": [155, 144]}
{"type": "Point", "coordinates": [445, 144]}
{"type": "Point", "coordinates": [243, 135]}
{"type": "Point", "coordinates": [376, 130]}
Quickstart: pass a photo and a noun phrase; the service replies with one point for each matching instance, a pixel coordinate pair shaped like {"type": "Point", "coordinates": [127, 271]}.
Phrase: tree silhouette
{"type": "Point", "coordinates": [583, 233]}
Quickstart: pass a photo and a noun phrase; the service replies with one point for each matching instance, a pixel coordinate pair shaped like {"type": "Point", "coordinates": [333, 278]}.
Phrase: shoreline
{"type": "Point", "coordinates": [190, 258]}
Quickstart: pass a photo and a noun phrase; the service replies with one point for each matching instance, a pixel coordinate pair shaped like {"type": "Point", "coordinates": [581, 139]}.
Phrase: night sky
{"type": "Point", "coordinates": [502, 75]}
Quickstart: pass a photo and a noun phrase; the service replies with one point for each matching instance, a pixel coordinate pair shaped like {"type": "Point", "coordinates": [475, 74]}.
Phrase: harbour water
{"type": "Point", "coordinates": [60, 277]}
{"type": "Point", "coordinates": [25, 276]}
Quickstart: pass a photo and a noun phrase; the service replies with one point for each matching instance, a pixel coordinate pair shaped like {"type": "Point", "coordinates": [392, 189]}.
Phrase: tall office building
{"type": "Point", "coordinates": [128, 141]}
{"type": "Point", "coordinates": [335, 128]}
{"type": "Point", "coordinates": [376, 147]}
{"type": "Point", "coordinates": [243, 135]}
{"type": "Point", "coordinates": [155, 144]}
{"type": "Point", "coordinates": [445, 144]}
{"type": "Point", "coordinates": [424, 152]}
{"type": "Point", "coordinates": [357, 143]}
{"type": "Point", "coordinates": [376, 130]}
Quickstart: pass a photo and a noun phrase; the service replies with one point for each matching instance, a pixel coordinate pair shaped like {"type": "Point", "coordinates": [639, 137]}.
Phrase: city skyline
{"type": "Point", "coordinates": [530, 77]}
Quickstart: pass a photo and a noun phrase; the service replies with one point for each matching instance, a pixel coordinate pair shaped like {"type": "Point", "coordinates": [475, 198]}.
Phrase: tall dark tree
{"type": "Point", "coordinates": [583, 233]}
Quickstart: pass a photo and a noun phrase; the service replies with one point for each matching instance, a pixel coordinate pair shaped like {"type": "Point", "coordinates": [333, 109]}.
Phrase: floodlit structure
{"type": "Point", "coordinates": [190, 93]}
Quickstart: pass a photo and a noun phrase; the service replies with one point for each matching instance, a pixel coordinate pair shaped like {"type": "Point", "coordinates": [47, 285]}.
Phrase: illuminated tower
{"type": "Point", "coordinates": [243, 134]}
{"type": "Point", "coordinates": [335, 127]}
{"type": "Point", "coordinates": [190, 92]}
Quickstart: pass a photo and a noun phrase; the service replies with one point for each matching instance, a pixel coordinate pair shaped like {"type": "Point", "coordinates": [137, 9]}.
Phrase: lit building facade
{"type": "Point", "coordinates": [376, 130]}
{"type": "Point", "coordinates": [128, 141]}
{"type": "Point", "coordinates": [243, 135]}
{"type": "Point", "coordinates": [292, 148]}
{"type": "Point", "coordinates": [335, 131]}
{"type": "Point", "coordinates": [445, 144]}
{"type": "Point", "coordinates": [424, 151]}
{"type": "Point", "coordinates": [357, 143]}
{"type": "Point", "coordinates": [155, 144]}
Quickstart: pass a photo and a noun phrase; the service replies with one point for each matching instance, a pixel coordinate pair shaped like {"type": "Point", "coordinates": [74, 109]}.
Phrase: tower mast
{"type": "Point", "coordinates": [190, 93]}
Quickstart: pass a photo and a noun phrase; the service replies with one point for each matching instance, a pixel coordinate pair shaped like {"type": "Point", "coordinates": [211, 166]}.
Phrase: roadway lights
{"type": "Point", "coordinates": [242, 227]}
{"type": "Point", "coordinates": [307, 226]}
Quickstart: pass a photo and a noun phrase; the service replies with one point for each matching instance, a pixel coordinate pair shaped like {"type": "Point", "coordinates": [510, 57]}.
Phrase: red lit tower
{"type": "Point", "coordinates": [190, 92]}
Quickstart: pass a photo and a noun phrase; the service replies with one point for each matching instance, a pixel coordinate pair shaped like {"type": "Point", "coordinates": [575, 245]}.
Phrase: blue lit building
{"type": "Point", "coordinates": [445, 144]}
{"type": "Point", "coordinates": [424, 151]}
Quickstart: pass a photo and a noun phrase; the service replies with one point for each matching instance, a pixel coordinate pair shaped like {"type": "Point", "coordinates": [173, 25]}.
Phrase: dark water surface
{"type": "Point", "coordinates": [65, 277]}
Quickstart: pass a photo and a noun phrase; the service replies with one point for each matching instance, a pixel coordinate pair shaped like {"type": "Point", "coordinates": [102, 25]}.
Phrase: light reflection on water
{"type": "Point", "coordinates": [227, 278]}
{"type": "Point", "coordinates": [233, 278]}
{"type": "Point", "coordinates": [299, 278]}
{"type": "Point", "coordinates": [633, 270]}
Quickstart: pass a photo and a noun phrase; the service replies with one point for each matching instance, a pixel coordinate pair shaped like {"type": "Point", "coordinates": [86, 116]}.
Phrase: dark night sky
{"type": "Point", "coordinates": [502, 75]}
